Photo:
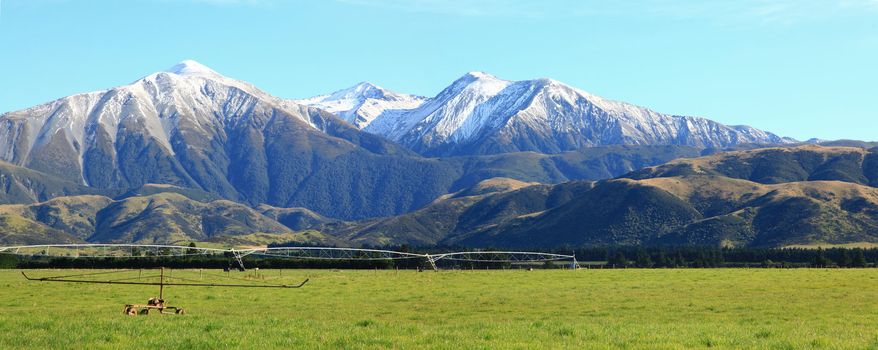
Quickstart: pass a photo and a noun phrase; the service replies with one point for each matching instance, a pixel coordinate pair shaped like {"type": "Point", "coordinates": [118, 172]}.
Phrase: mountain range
{"type": "Point", "coordinates": [482, 114]}
{"type": "Point", "coordinates": [187, 154]}
{"type": "Point", "coordinates": [191, 127]}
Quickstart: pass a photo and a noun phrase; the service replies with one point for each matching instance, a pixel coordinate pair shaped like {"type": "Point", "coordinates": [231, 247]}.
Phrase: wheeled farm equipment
{"type": "Point", "coordinates": [156, 304]}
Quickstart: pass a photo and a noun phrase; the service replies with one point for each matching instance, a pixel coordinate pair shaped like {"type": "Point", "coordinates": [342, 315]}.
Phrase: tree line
{"type": "Point", "coordinates": [603, 257]}
{"type": "Point", "coordinates": [695, 257]}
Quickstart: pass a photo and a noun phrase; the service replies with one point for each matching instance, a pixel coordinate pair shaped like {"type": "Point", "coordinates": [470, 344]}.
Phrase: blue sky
{"type": "Point", "coordinates": [798, 68]}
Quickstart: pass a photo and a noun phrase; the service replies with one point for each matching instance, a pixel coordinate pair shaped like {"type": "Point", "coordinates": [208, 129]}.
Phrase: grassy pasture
{"type": "Point", "coordinates": [603, 309]}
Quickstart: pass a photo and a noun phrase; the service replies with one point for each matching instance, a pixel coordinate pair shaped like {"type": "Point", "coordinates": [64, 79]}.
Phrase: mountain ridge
{"type": "Point", "coordinates": [362, 103]}
{"type": "Point", "coordinates": [482, 114]}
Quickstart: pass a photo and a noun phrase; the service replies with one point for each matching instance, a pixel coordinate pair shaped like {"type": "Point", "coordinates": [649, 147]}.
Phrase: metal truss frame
{"type": "Point", "coordinates": [98, 250]}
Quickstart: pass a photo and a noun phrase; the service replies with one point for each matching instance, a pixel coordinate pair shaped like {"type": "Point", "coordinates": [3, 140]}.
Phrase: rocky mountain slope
{"type": "Point", "coordinates": [23, 185]}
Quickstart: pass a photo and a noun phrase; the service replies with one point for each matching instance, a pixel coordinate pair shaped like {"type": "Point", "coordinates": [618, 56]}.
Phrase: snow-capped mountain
{"type": "Point", "coordinates": [184, 109]}
{"type": "Point", "coordinates": [360, 104]}
{"type": "Point", "coordinates": [193, 128]}
{"type": "Point", "coordinates": [482, 114]}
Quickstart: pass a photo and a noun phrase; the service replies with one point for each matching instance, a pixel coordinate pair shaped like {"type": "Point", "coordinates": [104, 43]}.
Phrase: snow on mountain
{"type": "Point", "coordinates": [186, 101]}
{"type": "Point", "coordinates": [482, 114]}
{"type": "Point", "coordinates": [192, 68]}
{"type": "Point", "coordinates": [193, 110]}
{"type": "Point", "coordinates": [450, 115]}
{"type": "Point", "coordinates": [360, 104]}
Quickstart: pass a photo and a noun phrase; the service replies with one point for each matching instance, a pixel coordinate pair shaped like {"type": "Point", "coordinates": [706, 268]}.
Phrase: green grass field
{"type": "Point", "coordinates": [614, 309]}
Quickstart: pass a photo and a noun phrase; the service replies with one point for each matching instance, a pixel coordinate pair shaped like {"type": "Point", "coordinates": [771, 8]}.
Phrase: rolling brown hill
{"type": "Point", "coordinates": [778, 165]}
{"type": "Point", "coordinates": [489, 203]}
{"type": "Point", "coordinates": [697, 210]}
{"type": "Point", "coordinates": [771, 197]}
{"type": "Point", "coordinates": [759, 198]}
{"type": "Point", "coordinates": [763, 198]}
{"type": "Point", "coordinates": [161, 218]}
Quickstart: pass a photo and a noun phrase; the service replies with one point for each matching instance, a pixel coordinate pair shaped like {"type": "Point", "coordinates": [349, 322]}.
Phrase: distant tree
{"type": "Point", "coordinates": [820, 259]}
{"type": "Point", "coordinates": [702, 260]}
{"type": "Point", "coordinates": [164, 251]}
{"type": "Point", "coordinates": [643, 260]}
{"type": "Point", "coordinates": [679, 260]}
{"type": "Point", "coordinates": [859, 259]}
{"type": "Point", "coordinates": [8, 261]}
{"type": "Point", "coordinates": [191, 251]}
{"type": "Point", "coordinates": [845, 259]}
{"type": "Point", "coordinates": [718, 258]}
{"type": "Point", "coordinates": [601, 251]}
{"type": "Point", "coordinates": [663, 260]}
{"type": "Point", "coordinates": [618, 260]}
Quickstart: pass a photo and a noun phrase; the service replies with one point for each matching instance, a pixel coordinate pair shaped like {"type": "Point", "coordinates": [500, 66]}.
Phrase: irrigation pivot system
{"type": "Point", "coordinates": [294, 253]}
{"type": "Point", "coordinates": [188, 278]}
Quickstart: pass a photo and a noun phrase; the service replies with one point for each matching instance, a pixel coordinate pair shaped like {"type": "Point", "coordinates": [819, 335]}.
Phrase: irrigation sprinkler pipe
{"type": "Point", "coordinates": [322, 253]}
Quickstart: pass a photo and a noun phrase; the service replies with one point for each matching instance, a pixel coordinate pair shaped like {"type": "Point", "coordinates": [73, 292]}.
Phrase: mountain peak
{"type": "Point", "coordinates": [359, 92]}
{"type": "Point", "coordinates": [364, 85]}
{"type": "Point", "coordinates": [478, 75]}
{"type": "Point", "coordinates": [479, 82]}
{"type": "Point", "coordinates": [549, 81]}
{"type": "Point", "coordinates": [364, 88]}
{"type": "Point", "coordinates": [195, 74]}
{"type": "Point", "coordinates": [191, 68]}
